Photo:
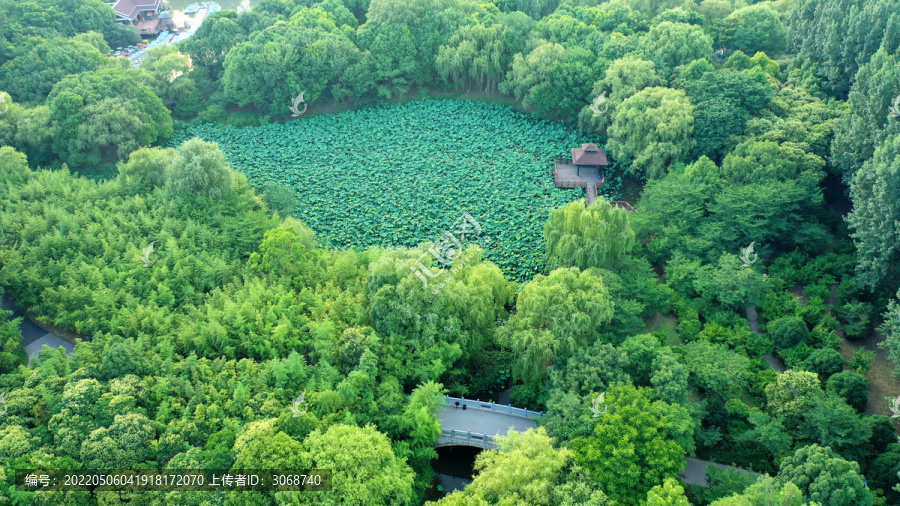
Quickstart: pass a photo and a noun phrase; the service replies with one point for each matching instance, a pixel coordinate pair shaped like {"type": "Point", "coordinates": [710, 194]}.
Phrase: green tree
{"type": "Point", "coordinates": [146, 168]}
{"type": "Point", "coordinates": [874, 212]}
{"type": "Point", "coordinates": [672, 44]}
{"type": "Point", "coordinates": [764, 161]}
{"type": "Point", "coordinates": [730, 283]}
{"type": "Point", "coordinates": [445, 324]}
{"type": "Point", "coordinates": [556, 314]}
{"type": "Point", "coordinates": [480, 54]}
{"type": "Point", "coordinates": [595, 235]}
{"type": "Point", "coordinates": [213, 40]}
{"type": "Point", "coordinates": [524, 471]}
{"type": "Point", "coordinates": [724, 101]}
{"type": "Point", "coordinates": [288, 250]}
{"type": "Point", "coordinates": [404, 38]}
{"type": "Point", "coordinates": [754, 28]}
{"type": "Point", "coordinates": [27, 130]}
{"type": "Point", "coordinates": [125, 444]}
{"type": "Point", "coordinates": [121, 35]}
{"type": "Point", "coordinates": [553, 80]}
{"type": "Point", "coordinates": [168, 72]}
{"type": "Point", "coordinates": [573, 382]}
{"type": "Point", "coordinates": [788, 332]}
{"type": "Point", "coordinates": [716, 369]}
{"type": "Point", "coordinates": [419, 421]}
{"type": "Point", "coordinates": [792, 396]}
{"type": "Point", "coordinates": [31, 76]}
{"type": "Point", "coordinates": [12, 354]}
{"type": "Point", "coordinates": [767, 491]}
{"type": "Point", "coordinates": [841, 35]}
{"type": "Point", "coordinates": [22, 23]}
{"type": "Point", "coordinates": [671, 213]}
{"type": "Point", "coordinates": [651, 130]}
{"type": "Point", "coordinates": [624, 77]}
{"type": "Point", "coordinates": [15, 441]}
{"type": "Point", "coordinates": [670, 493]}
{"type": "Point", "coordinates": [105, 114]}
{"type": "Point", "coordinates": [868, 124]}
{"type": "Point", "coordinates": [199, 168]}
{"type": "Point", "coordinates": [669, 379]}
{"type": "Point", "coordinates": [365, 469]}
{"type": "Point", "coordinates": [824, 362]}
{"type": "Point", "coordinates": [836, 425]}
{"type": "Point", "coordinates": [642, 351]}
{"type": "Point", "coordinates": [824, 477]}
{"type": "Point", "coordinates": [631, 450]}
{"type": "Point", "coordinates": [851, 386]}
{"type": "Point", "coordinates": [265, 447]}
{"type": "Point", "coordinates": [891, 328]}
{"type": "Point", "coordinates": [279, 197]}
{"type": "Point", "coordinates": [882, 473]}
{"type": "Point", "coordinates": [396, 62]}
{"type": "Point", "coordinates": [310, 52]}
{"type": "Point", "coordinates": [590, 369]}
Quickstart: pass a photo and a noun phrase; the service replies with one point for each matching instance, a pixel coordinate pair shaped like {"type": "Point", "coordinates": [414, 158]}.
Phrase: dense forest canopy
{"type": "Point", "coordinates": [219, 260]}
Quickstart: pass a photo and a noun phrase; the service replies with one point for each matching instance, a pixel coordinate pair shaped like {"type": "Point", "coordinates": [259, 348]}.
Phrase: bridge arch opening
{"type": "Point", "coordinates": [453, 469]}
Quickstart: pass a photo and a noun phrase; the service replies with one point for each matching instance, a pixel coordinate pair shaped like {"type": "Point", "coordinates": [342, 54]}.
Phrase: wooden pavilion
{"type": "Point", "coordinates": [583, 170]}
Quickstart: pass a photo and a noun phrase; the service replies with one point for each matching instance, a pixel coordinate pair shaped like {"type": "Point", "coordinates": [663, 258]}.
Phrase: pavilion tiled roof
{"type": "Point", "coordinates": [589, 154]}
{"type": "Point", "coordinates": [131, 8]}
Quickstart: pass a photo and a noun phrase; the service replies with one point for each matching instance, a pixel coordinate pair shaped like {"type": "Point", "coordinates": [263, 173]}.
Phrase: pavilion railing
{"type": "Point", "coordinates": [570, 184]}
{"type": "Point", "coordinates": [565, 183]}
{"type": "Point", "coordinates": [624, 205]}
{"type": "Point", "coordinates": [490, 406]}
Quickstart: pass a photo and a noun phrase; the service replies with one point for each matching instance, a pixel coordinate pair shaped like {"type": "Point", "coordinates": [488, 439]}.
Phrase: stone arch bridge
{"type": "Point", "coordinates": [480, 423]}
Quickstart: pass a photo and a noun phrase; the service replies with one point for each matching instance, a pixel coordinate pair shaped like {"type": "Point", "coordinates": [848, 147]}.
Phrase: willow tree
{"type": "Point", "coordinates": [556, 315]}
{"type": "Point", "coordinates": [672, 44]}
{"type": "Point", "coordinates": [146, 168]}
{"type": "Point", "coordinates": [479, 55]}
{"type": "Point", "coordinates": [652, 129]}
{"type": "Point", "coordinates": [624, 77]}
{"type": "Point", "coordinates": [587, 236]}
{"type": "Point", "coordinates": [200, 168]}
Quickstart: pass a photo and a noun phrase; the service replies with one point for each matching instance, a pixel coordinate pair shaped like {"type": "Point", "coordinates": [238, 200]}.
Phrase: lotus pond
{"type": "Point", "coordinates": [402, 174]}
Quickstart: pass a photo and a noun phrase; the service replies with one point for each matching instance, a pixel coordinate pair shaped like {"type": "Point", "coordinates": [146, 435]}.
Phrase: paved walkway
{"type": "Point", "coordinates": [482, 421]}
{"type": "Point", "coordinates": [33, 336]}
{"type": "Point", "coordinates": [753, 321]}
{"type": "Point", "coordinates": [695, 471]}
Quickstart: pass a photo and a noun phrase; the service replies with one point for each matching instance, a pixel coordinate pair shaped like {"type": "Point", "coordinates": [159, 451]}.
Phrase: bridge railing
{"type": "Point", "coordinates": [490, 406]}
{"type": "Point", "coordinates": [468, 435]}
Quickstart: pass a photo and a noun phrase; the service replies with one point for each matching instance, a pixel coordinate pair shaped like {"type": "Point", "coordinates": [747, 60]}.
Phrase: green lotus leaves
{"type": "Point", "coordinates": [402, 174]}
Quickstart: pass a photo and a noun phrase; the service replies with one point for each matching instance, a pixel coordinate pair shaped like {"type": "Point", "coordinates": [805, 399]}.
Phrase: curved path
{"type": "Point", "coordinates": [753, 321]}
{"type": "Point", "coordinates": [695, 471]}
{"type": "Point", "coordinates": [34, 337]}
